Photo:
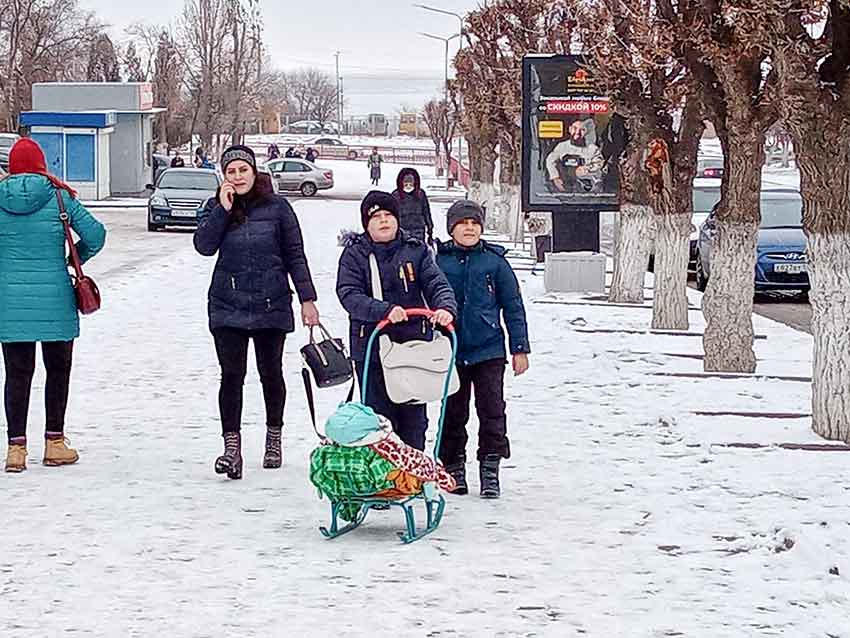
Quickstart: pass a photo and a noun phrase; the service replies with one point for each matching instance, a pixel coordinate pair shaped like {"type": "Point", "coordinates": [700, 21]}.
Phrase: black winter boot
{"type": "Point", "coordinates": [274, 449]}
{"type": "Point", "coordinates": [230, 462]}
{"type": "Point", "coordinates": [458, 472]}
{"type": "Point", "coordinates": [489, 474]}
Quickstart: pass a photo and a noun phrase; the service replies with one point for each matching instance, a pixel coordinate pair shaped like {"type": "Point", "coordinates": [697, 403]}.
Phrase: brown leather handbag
{"type": "Point", "coordinates": [86, 291]}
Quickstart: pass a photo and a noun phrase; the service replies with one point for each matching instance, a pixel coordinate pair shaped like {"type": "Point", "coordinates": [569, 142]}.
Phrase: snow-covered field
{"type": "Point", "coordinates": [621, 514]}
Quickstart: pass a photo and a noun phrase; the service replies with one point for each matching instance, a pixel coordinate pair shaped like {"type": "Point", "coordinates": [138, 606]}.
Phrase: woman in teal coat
{"type": "Point", "coordinates": [38, 302]}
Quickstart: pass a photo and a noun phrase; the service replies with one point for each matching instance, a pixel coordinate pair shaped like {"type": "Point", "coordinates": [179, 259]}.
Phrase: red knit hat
{"type": "Point", "coordinates": [26, 156]}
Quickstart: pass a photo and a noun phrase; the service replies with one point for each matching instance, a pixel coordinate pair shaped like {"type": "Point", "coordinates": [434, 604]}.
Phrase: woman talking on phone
{"type": "Point", "coordinates": [259, 246]}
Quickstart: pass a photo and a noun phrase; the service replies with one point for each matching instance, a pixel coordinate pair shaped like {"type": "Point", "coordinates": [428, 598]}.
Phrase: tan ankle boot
{"type": "Point", "coordinates": [16, 458]}
{"type": "Point", "coordinates": [57, 452]}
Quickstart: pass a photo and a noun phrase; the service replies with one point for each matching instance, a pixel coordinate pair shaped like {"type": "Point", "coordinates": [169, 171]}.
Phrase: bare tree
{"type": "Point", "coordinates": [204, 31]}
{"type": "Point", "coordinates": [633, 49]}
{"type": "Point", "coordinates": [809, 46]}
{"type": "Point", "coordinates": [168, 76]}
{"type": "Point", "coordinates": [442, 121]}
{"type": "Point", "coordinates": [313, 95]}
{"type": "Point", "coordinates": [103, 65]}
{"type": "Point", "coordinates": [41, 41]}
{"type": "Point", "coordinates": [133, 65]}
{"type": "Point", "coordinates": [740, 97]}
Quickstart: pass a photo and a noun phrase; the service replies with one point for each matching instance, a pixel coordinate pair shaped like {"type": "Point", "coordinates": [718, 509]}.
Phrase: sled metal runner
{"type": "Point", "coordinates": [429, 495]}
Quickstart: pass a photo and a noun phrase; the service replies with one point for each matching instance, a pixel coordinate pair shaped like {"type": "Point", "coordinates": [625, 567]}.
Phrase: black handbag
{"type": "Point", "coordinates": [330, 365]}
{"type": "Point", "coordinates": [327, 360]}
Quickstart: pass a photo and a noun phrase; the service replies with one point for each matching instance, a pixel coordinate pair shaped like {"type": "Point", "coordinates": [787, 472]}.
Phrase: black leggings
{"type": "Point", "coordinates": [19, 360]}
{"type": "Point", "coordinates": [231, 345]}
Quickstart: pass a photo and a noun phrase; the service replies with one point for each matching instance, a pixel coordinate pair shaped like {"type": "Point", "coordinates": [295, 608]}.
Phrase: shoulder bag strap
{"type": "Point", "coordinates": [72, 248]}
{"type": "Point", "coordinates": [308, 390]}
{"type": "Point", "coordinates": [377, 290]}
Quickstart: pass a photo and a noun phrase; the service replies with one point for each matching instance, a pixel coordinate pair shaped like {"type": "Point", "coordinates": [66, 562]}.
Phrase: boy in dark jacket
{"type": "Point", "coordinates": [413, 207]}
{"type": "Point", "coordinates": [410, 278]}
{"type": "Point", "coordinates": [486, 290]}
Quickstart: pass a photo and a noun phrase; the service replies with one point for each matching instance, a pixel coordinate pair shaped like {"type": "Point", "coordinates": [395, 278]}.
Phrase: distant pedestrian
{"type": "Point", "coordinates": [413, 207]}
{"type": "Point", "coordinates": [199, 157]}
{"type": "Point", "coordinates": [37, 301]}
{"type": "Point", "coordinates": [290, 152]}
{"type": "Point", "coordinates": [374, 162]}
{"type": "Point", "coordinates": [487, 292]}
{"type": "Point", "coordinates": [273, 151]}
{"type": "Point", "coordinates": [258, 240]}
{"type": "Point", "coordinates": [177, 162]}
{"type": "Point", "coordinates": [311, 155]}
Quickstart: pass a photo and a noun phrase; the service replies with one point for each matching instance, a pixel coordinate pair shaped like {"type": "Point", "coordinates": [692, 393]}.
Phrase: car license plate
{"type": "Point", "coordinates": [791, 269]}
{"type": "Point", "coordinates": [176, 212]}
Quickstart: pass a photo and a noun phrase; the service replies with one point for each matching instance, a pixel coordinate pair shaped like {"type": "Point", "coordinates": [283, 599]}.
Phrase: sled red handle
{"type": "Point", "coordinates": [415, 312]}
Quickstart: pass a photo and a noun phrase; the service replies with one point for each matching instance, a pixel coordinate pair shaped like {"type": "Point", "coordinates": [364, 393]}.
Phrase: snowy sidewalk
{"type": "Point", "coordinates": [619, 517]}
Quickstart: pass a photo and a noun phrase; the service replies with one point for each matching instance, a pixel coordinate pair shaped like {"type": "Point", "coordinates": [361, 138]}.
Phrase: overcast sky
{"type": "Point", "coordinates": [373, 36]}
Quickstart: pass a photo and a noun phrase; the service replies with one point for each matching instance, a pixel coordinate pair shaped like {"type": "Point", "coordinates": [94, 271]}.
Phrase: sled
{"type": "Point", "coordinates": [429, 496]}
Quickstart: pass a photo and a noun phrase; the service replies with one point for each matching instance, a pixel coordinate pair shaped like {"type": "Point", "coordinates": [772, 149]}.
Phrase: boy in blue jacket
{"type": "Point", "coordinates": [486, 291]}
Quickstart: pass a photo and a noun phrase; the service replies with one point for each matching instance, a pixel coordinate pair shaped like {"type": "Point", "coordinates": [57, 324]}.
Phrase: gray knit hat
{"type": "Point", "coordinates": [464, 209]}
{"type": "Point", "coordinates": [238, 152]}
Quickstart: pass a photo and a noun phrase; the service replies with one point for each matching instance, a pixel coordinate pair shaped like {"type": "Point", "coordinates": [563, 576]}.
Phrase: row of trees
{"type": "Point", "coordinates": [208, 69]}
{"type": "Point", "coordinates": [748, 67]}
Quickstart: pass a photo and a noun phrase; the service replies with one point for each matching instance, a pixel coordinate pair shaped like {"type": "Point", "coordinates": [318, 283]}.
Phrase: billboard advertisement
{"type": "Point", "coordinates": [572, 140]}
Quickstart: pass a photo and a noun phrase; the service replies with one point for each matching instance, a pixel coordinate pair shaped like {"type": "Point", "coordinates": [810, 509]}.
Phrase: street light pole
{"type": "Point", "coordinates": [445, 90]}
{"type": "Point", "coordinates": [460, 46]}
{"type": "Point", "coordinates": [338, 95]}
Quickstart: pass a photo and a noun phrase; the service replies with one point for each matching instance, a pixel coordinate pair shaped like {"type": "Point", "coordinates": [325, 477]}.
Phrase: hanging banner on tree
{"type": "Point", "coordinates": [572, 141]}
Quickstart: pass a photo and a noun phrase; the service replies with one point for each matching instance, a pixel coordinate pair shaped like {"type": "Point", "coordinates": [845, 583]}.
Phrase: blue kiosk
{"type": "Point", "coordinates": [76, 146]}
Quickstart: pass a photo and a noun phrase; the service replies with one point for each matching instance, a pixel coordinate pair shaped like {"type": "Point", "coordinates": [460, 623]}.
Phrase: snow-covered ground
{"type": "Point", "coordinates": [621, 515]}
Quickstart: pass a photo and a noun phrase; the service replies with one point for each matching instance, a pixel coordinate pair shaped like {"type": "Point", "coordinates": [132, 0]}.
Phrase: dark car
{"type": "Point", "coordinates": [179, 195]}
{"type": "Point", "coordinates": [7, 141]}
{"type": "Point", "coordinates": [781, 262]}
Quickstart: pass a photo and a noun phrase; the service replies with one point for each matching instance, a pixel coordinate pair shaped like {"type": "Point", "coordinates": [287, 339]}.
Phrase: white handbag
{"type": "Point", "coordinates": [414, 371]}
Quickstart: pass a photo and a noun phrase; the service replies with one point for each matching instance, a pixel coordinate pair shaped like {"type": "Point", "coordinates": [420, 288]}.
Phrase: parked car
{"type": "Point", "coordinates": [7, 141]}
{"type": "Point", "coordinates": [710, 167]}
{"type": "Point", "coordinates": [781, 262]}
{"type": "Point", "coordinates": [179, 194]}
{"type": "Point", "coordinates": [333, 147]}
{"type": "Point", "coordinates": [300, 175]}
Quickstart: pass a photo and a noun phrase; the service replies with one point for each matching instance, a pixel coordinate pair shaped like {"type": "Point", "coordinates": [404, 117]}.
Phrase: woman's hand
{"type": "Point", "coordinates": [225, 195]}
{"type": "Point", "coordinates": [309, 314]}
{"type": "Point", "coordinates": [442, 318]}
{"type": "Point", "coordinates": [397, 315]}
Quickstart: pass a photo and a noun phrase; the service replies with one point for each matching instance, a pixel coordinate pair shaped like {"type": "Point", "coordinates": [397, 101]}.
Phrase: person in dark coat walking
{"type": "Point", "coordinates": [413, 207]}
{"type": "Point", "coordinates": [374, 162]}
{"type": "Point", "coordinates": [259, 245]}
{"type": "Point", "coordinates": [410, 278]}
{"type": "Point", "coordinates": [311, 154]}
{"type": "Point", "coordinates": [177, 162]}
{"type": "Point", "coordinates": [487, 291]}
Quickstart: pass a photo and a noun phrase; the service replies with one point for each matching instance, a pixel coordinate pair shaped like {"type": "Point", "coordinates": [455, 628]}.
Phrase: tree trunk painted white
{"type": "Point", "coordinates": [728, 301]}
{"type": "Point", "coordinates": [670, 303]}
{"type": "Point", "coordinates": [829, 274]}
{"type": "Point", "coordinates": [631, 253]}
{"type": "Point", "coordinates": [509, 202]}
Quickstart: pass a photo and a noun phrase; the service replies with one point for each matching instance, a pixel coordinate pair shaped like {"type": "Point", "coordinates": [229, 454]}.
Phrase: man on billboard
{"type": "Point", "coordinates": [576, 164]}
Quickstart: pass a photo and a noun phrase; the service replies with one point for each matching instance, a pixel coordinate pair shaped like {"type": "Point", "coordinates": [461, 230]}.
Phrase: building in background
{"type": "Point", "coordinates": [97, 136]}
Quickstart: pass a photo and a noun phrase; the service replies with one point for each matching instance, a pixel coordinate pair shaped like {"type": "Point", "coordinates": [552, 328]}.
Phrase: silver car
{"type": "Point", "coordinates": [300, 175]}
{"type": "Point", "coordinates": [179, 195]}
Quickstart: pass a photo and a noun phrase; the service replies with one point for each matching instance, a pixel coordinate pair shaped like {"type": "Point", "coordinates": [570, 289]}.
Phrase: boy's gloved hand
{"type": "Point", "coordinates": [520, 364]}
